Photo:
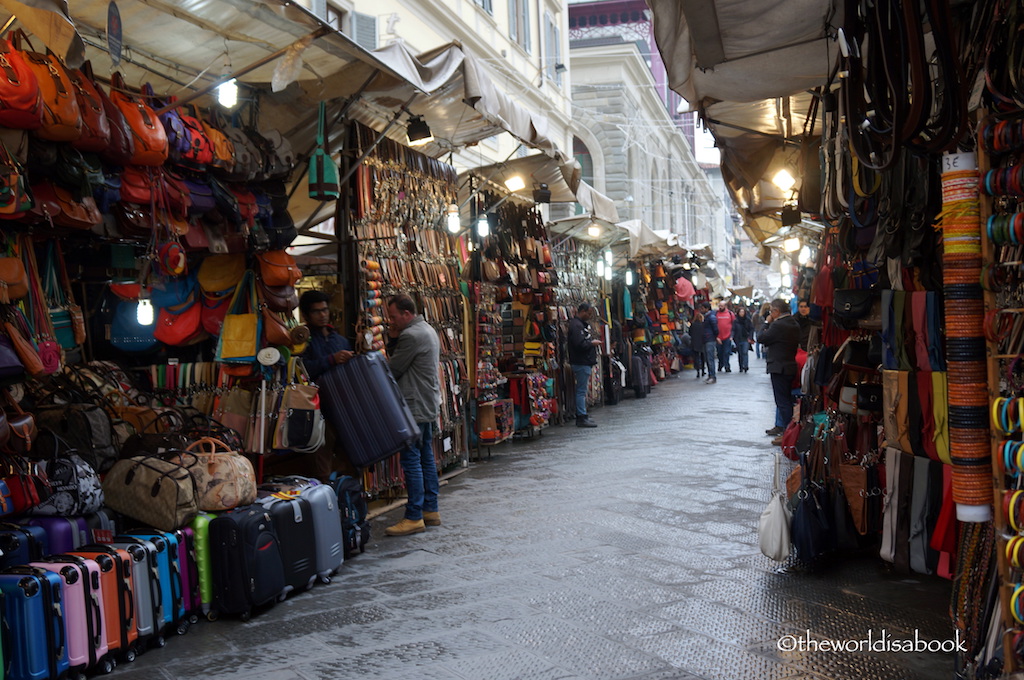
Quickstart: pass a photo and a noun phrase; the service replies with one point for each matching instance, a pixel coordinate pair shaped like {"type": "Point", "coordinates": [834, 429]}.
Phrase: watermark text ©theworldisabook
{"type": "Point", "coordinates": [883, 642]}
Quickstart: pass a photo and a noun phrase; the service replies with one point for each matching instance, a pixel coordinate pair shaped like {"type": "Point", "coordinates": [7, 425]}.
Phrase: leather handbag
{"type": "Point", "coordinates": [121, 148]}
{"type": "Point", "coordinates": [149, 136]}
{"type": "Point", "coordinates": [300, 422]}
{"type": "Point", "coordinates": [234, 409]}
{"type": "Point", "coordinates": [201, 197]}
{"type": "Point", "coordinates": [773, 525]}
{"type": "Point", "coordinates": [75, 488]}
{"type": "Point", "coordinates": [154, 491]}
{"type": "Point", "coordinates": [179, 140]}
{"type": "Point", "coordinates": [15, 198]}
{"type": "Point", "coordinates": [176, 195]}
{"type": "Point", "coordinates": [275, 330]}
{"type": "Point", "coordinates": [224, 478]}
{"type": "Point", "coordinates": [246, 203]}
{"type": "Point", "coordinates": [13, 280]}
{"type": "Point", "coordinates": [178, 327]}
{"type": "Point", "coordinates": [26, 487]}
{"type": "Point", "coordinates": [248, 161]}
{"type": "Point", "coordinates": [22, 427]}
{"type": "Point", "coordinates": [323, 172]}
{"type": "Point", "coordinates": [64, 209]}
{"type": "Point", "coordinates": [220, 274]}
{"type": "Point", "coordinates": [869, 397]}
{"type": "Point", "coordinates": [848, 400]}
{"type": "Point", "coordinates": [279, 298]}
{"type": "Point", "coordinates": [61, 119]}
{"type": "Point", "coordinates": [201, 152]}
{"type": "Point", "coordinates": [223, 148]}
{"type": "Point", "coordinates": [278, 268]}
{"type": "Point", "coordinates": [11, 368]}
{"type": "Point", "coordinates": [21, 105]}
{"type": "Point", "coordinates": [95, 126]}
{"type": "Point", "coordinates": [240, 335]}
{"type": "Point", "coordinates": [16, 328]}
{"type": "Point", "coordinates": [137, 185]}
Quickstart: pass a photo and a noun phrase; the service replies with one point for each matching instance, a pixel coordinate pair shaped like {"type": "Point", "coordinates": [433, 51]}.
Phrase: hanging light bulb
{"type": "Point", "coordinates": [608, 273]}
{"type": "Point", "coordinates": [784, 180]}
{"type": "Point", "coordinates": [454, 224]}
{"type": "Point", "coordinates": [784, 267]}
{"type": "Point", "coordinates": [791, 245]}
{"type": "Point", "coordinates": [515, 183]}
{"type": "Point", "coordinates": [144, 312]}
{"type": "Point", "coordinates": [483, 227]}
{"type": "Point", "coordinates": [608, 257]}
{"type": "Point", "coordinates": [629, 277]}
{"type": "Point", "coordinates": [805, 256]}
{"type": "Point", "coordinates": [227, 92]}
{"type": "Point", "coordinates": [600, 268]}
{"type": "Point", "coordinates": [594, 230]}
{"type": "Point", "coordinates": [787, 281]}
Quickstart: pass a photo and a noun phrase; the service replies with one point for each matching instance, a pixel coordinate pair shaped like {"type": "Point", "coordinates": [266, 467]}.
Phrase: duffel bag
{"type": "Point", "coordinates": [87, 428]}
{"type": "Point", "coordinates": [224, 478]}
{"type": "Point", "coordinates": [154, 491]}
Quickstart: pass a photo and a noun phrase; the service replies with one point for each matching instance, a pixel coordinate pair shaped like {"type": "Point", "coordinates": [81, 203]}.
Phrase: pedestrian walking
{"type": "Point", "coordinates": [697, 341]}
{"type": "Point", "coordinates": [711, 342]}
{"type": "Point", "coordinates": [582, 358]}
{"type": "Point", "coordinates": [414, 352]}
{"type": "Point", "coordinates": [781, 339]}
{"type": "Point", "coordinates": [725, 319]}
{"type": "Point", "coordinates": [742, 332]}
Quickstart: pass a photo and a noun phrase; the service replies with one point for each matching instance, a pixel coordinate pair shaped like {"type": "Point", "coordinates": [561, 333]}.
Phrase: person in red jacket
{"type": "Point", "coordinates": [725, 319]}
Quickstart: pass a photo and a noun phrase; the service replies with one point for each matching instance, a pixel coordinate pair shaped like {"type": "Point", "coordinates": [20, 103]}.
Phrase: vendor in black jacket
{"type": "Point", "coordinates": [781, 338]}
{"type": "Point", "coordinates": [582, 357]}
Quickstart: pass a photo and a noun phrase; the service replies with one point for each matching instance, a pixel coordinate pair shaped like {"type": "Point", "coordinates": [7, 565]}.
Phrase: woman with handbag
{"type": "Point", "coordinates": [742, 333]}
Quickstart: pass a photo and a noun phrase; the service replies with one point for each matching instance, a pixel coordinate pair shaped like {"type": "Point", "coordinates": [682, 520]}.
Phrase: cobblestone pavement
{"type": "Point", "coordinates": [626, 551]}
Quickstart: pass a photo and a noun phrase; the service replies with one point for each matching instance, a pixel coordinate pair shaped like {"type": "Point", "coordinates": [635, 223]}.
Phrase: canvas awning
{"type": "Point", "coordinates": [747, 66]}
{"type": "Point", "coordinates": [561, 176]}
{"type": "Point", "coordinates": [647, 242]}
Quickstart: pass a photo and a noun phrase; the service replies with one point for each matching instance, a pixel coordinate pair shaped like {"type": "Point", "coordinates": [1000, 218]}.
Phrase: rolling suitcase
{"type": "Point", "coordinates": [21, 544]}
{"type": "Point", "coordinates": [169, 571]}
{"type": "Point", "coordinates": [118, 604]}
{"type": "Point", "coordinates": [293, 523]}
{"type": "Point", "coordinates": [189, 573]}
{"type": "Point", "coordinates": [201, 529]}
{"type": "Point", "coordinates": [245, 557]}
{"type": "Point", "coordinates": [83, 612]}
{"type": "Point", "coordinates": [146, 591]}
{"type": "Point", "coordinates": [33, 624]}
{"type": "Point", "coordinates": [361, 400]}
{"type": "Point", "coordinates": [102, 525]}
{"type": "Point", "coordinates": [355, 527]}
{"type": "Point", "coordinates": [330, 549]}
{"type": "Point", "coordinates": [64, 534]}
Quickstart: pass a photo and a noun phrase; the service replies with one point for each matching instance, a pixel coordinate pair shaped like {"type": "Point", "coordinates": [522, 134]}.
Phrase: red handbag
{"type": "Point", "coordinates": [57, 204]}
{"type": "Point", "coordinates": [27, 487]}
{"type": "Point", "coordinates": [180, 327]}
{"type": "Point", "coordinates": [95, 126]}
{"type": "Point", "coordinates": [20, 103]}
{"type": "Point", "coordinates": [136, 185]}
{"type": "Point", "coordinates": [214, 311]}
{"type": "Point", "coordinates": [201, 153]}
{"type": "Point", "coordinates": [176, 194]}
{"type": "Point", "coordinates": [122, 144]}
{"type": "Point", "coordinates": [148, 132]}
{"type": "Point", "coordinates": [247, 206]}
{"type": "Point", "coordinates": [61, 119]}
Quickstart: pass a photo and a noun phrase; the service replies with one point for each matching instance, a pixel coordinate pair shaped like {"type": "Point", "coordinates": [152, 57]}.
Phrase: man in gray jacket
{"type": "Point", "coordinates": [415, 357]}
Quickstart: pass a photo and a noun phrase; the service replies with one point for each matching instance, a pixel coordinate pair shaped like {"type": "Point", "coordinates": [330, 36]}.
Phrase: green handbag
{"type": "Point", "coordinates": [323, 173]}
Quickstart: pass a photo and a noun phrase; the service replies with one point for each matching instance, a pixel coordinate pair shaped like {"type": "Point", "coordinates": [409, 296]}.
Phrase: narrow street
{"type": "Point", "coordinates": [627, 551]}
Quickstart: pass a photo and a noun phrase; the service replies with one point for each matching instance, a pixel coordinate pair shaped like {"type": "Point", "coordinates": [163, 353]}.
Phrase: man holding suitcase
{"type": "Point", "coordinates": [414, 350]}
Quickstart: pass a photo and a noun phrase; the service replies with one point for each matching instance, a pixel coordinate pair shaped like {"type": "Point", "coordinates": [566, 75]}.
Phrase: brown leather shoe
{"type": "Point", "coordinates": [432, 519]}
{"type": "Point", "coordinates": [777, 441]}
{"type": "Point", "coordinates": [406, 527]}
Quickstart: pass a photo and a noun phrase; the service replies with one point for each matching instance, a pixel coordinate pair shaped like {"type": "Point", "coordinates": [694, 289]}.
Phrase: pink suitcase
{"type": "Point", "coordinates": [86, 639]}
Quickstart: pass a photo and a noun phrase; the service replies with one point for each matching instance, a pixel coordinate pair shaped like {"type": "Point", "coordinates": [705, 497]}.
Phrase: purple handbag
{"type": "Point", "coordinates": [10, 364]}
{"type": "Point", "coordinates": [178, 138]}
{"type": "Point", "coordinates": [202, 197]}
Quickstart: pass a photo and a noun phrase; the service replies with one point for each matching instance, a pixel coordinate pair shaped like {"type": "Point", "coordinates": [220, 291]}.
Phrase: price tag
{"type": "Point", "coordinates": [952, 162]}
{"type": "Point", "coordinates": [447, 443]}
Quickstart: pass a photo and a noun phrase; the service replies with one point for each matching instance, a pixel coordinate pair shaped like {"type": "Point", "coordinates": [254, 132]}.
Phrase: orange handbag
{"type": "Point", "coordinates": [62, 121]}
{"type": "Point", "coordinates": [223, 148]}
{"type": "Point", "coordinates": [20, 104]}
{"type": "Point", "coordinates": [278, 268]}
{"type": "Point", "coordinates": [95, 126]}
{"type": "Point", "coordinates": [147, 131]}
{"type": "Point", "coordinates": [13, 280]}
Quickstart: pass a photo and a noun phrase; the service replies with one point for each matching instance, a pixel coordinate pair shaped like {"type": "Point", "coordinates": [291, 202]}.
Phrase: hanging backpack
{"type": "Point", "coordinates": [355, 527]}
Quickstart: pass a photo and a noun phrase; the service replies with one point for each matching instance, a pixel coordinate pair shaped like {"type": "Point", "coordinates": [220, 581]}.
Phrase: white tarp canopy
{"type": "Point", "coordinates": [647, 242]}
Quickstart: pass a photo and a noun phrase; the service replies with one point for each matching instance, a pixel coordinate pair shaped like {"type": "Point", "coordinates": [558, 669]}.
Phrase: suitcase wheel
{"type": "Point", "coordinates": [159, 641]}
{"type": "Point", "coordinates": [325, 579]}
{"type": "Point", "coordinates": [245, 616]}
{"type": "Point", "coordinates": [106, 666]}
{"type": "Point", "coordinates": [193, 619]}
{"type": "Point", "coordinates": [183, 627]}
{"type": "Point", "coordinates": [129, 656]}
{"type": "Point", "coordinates": [211, 616]}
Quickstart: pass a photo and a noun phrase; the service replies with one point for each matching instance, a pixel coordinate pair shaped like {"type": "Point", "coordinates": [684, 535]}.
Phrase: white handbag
{"type": "Point", "coordinates": [773, 527]}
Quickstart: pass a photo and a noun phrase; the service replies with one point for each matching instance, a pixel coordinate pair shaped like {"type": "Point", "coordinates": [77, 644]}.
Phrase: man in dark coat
{"type": "Point", "coordinates": [582, 346]}
{"type": "Point", "coordinates": [781, 338]}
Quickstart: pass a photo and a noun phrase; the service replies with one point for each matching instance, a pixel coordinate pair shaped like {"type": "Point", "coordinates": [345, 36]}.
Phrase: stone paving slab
{"type": "Point", "coordinates": [626, 552]}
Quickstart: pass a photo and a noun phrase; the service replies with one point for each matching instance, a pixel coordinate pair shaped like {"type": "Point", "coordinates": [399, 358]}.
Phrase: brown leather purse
{"type": "Point", "coordinates": [21, 427]}
{"type": "Point", "coordinates": [279, 298]}
{"type": "Point", "coordinates": [13, 279]}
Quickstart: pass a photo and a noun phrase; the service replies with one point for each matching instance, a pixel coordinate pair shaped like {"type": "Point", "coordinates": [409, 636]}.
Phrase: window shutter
{"type": "Point", "coordinates": [364, 30]}
{"type": "Point", "coordinates": [513, 19]}
{"type": "Point", "coordinates": [319, 8]}
{"type": "Point", "coordinates": [557, 35]}
{"type": "Point", "coordinates": [525, 4]}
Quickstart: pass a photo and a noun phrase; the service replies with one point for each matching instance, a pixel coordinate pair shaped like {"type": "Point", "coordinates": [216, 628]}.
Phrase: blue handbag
{"type": "Point", "coordinates": [127, 334]}
{"type": "Point", "coordinates": [175, 292]}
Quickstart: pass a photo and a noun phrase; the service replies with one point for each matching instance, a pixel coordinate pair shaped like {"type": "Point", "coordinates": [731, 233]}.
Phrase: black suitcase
{"type": "Point", "coordinates": [361, 400]}
{"type": "Point", "coordinates": [246, 559]}
{"type": "Point", "coordinates": [293, 523]}
{"type": "Point", "coordinates": [21, 544]}
{"type": "Point", "coordinates": [355, 528]}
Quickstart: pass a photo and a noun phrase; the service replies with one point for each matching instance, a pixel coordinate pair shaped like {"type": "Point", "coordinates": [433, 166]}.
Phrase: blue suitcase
{"type": "Point", "coordinates": [361, 400]}
{"type": "Point", "coordinates": [21, 544]}
{"type": "Point", "coordinates": [34, 624]}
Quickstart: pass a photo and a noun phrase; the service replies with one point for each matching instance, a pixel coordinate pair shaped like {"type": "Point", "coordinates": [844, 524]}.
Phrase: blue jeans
{"type": "Point", "coordinates": [724, 350]}
{"type": "Point", "coordinates": [420, 470]}
{"type": "Point", "coordinates": [710, 354]}
{"type": "Point", "coordinates": [742, 349]}
{"type": "Point", "coordinates": [582, 374]}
